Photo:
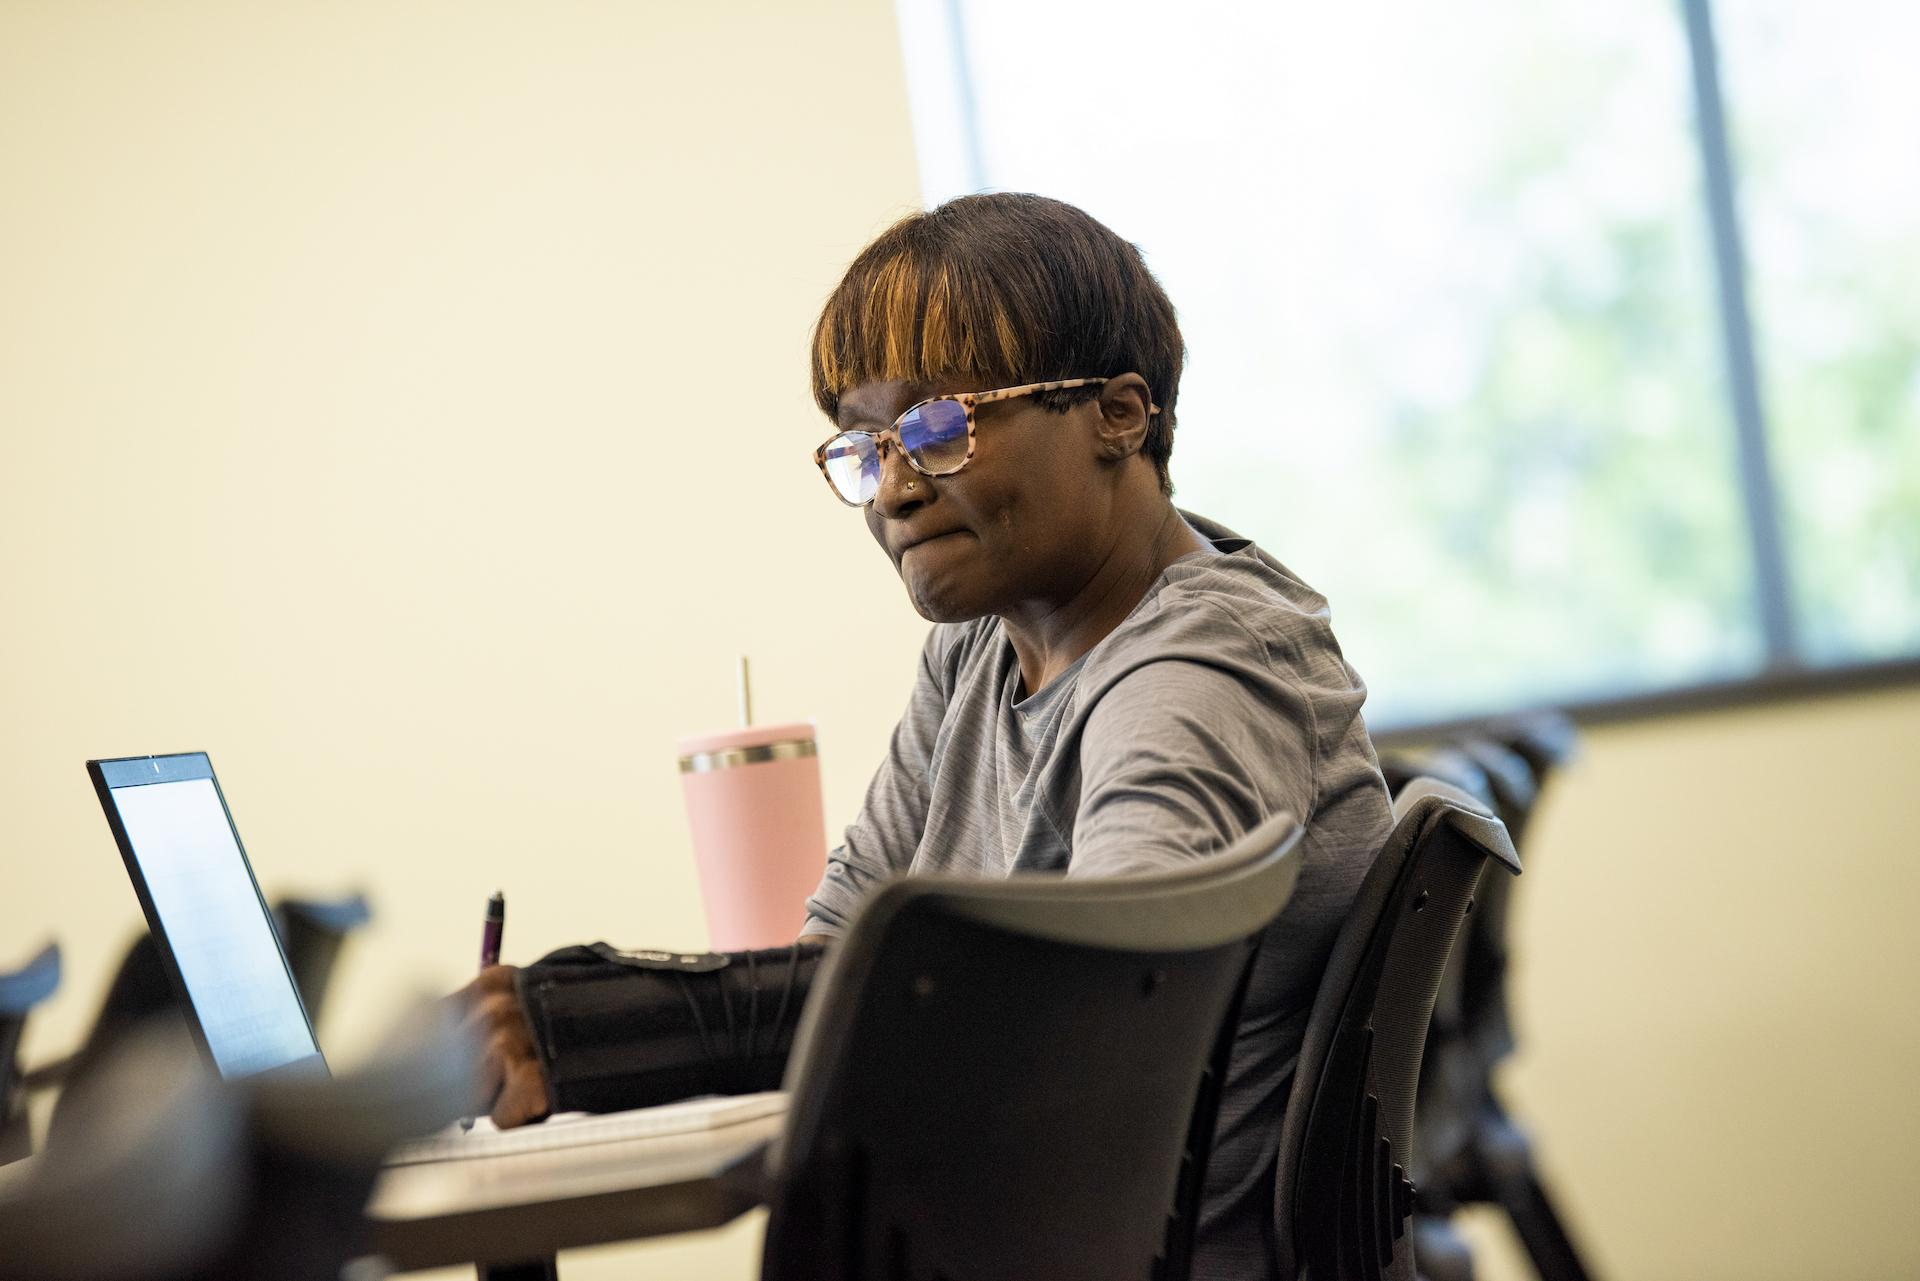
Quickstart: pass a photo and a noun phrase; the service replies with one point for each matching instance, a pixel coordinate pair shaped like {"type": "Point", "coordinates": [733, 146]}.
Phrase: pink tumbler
{"type": "Point", "coordinates": [759, 833]}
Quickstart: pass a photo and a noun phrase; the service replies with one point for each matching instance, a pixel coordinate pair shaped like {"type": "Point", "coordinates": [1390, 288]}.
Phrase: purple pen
{"type": "Point", "coordinates": [490, 949]}
{"type": "Point", "coordinates": [495, 927]}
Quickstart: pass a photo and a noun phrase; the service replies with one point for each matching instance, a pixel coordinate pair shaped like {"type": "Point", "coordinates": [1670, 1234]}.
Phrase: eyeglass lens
{"type": "Point", "coordinates": [933, 435]}
{"type": "Point", "coordinates": [853, 465]}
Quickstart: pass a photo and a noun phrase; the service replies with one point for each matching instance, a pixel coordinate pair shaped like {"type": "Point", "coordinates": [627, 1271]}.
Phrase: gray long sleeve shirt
{"type": "Point", "coordinates": [1221, 699]}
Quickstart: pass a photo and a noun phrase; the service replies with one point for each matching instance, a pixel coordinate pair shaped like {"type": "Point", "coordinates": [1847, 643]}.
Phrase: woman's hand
{"type": "Point", "coordinates": [510, 1072]}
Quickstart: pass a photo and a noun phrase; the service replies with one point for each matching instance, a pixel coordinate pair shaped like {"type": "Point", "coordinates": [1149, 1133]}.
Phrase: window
{"type": "Point", "coordinates": [1459, 348]}
{"type": "Point", "coordinates": [1825, 115]}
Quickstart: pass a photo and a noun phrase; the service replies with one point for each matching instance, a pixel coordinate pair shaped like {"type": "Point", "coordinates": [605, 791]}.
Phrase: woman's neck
{"type": "Point", "coordinates": [1050, 638]}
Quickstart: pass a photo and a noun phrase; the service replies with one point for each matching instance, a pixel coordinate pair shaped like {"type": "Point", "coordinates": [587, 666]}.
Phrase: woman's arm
{"type": "Point", "coordinates": [594, 1029]}
{"type": "Point", "coordinates": [881, 840]}
{"type": "Point", "coordinates": [584, 1032]}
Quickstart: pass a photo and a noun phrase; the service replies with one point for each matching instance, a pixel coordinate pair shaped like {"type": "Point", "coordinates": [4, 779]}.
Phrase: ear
{"type": "Point", "coordinates": [1126, 408]}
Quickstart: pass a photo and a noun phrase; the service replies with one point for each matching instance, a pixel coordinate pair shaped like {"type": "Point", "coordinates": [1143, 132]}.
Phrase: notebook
{"type": "Point", "coordinates": [579, 1129]}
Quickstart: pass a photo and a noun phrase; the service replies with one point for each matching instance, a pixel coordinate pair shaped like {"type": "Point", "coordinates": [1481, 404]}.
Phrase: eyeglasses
{"type": "Point", "coordinates": [935, 436]}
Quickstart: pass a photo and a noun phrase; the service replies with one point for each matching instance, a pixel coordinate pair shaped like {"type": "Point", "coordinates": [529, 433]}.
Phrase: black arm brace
{"type": "Point", "coordinates": [621, 1030]}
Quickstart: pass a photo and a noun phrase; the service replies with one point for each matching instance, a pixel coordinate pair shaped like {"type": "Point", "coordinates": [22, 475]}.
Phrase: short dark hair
{"type": "Point", "coordinates": [1006, 288]}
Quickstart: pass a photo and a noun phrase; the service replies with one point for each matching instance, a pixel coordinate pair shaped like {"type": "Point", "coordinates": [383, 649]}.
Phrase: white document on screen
{"type": "Point", "coordinates": [215, 924]}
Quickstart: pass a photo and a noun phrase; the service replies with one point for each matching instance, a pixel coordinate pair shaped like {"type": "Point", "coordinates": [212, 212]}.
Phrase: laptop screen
{"type": "Point", "coordinates": [204, 907]}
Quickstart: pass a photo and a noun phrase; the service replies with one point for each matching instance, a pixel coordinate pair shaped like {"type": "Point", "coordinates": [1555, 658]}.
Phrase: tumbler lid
{"type": "Point", "coordinates": [702, 752]}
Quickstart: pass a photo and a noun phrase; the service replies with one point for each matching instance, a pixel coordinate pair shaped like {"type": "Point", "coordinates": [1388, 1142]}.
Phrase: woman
{"type": "Point", "coordinates": [1111, 685]}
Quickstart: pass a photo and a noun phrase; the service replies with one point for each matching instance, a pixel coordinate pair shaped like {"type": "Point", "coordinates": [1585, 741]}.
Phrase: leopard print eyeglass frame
{"type": "Point", "coordinates": [930, 435]}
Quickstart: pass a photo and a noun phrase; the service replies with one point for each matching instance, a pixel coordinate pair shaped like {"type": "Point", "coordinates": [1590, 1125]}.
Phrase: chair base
{"type": "Point", "coordinates": [1503, 1159]}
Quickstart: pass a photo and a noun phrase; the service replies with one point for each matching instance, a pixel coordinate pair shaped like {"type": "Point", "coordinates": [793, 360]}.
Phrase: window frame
{"type": "Point", "coordinates": [934, 38]}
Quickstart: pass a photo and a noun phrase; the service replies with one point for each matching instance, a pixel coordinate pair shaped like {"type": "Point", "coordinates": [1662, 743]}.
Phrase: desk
{"type": "Point", "coordinates": [506, 1209]}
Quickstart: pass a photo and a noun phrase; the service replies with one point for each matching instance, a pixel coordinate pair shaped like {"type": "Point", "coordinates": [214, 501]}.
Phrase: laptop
{"type": "Point", "coordinates": [211, 927]}
{"type": "Point", "coordinates": [223, 957]}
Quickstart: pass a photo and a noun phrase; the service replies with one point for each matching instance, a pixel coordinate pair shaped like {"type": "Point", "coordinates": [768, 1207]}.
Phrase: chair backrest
{"type": "Point", "coordinates": [20, 991]}
{"type": "Point", "coordinates": [1342, 1200]}
{"type": "Point", "coordinates": [1510, 780]}
{"type": "Point", "coordinates": [1486, 1023]}
{"type": "Point", "coordinates": [1445, 762]}
{"type": "Point", "coordinates": [144, 1178]}
{"type": "Point", "coordinates": [164, 1171]}
{"type": "Point", "coordinates": [1006, 1080]}
{"type": "Point", "coordinates": [1519, 756]}
{"type": "Point", "coordinates": [1447, 1101]}
{"type": "Point", "coordinates": [1546, 739]}
{"type": "Point", "coordinates": [139, 997]}
{"type": "Point", "coordinates": [312, 932]}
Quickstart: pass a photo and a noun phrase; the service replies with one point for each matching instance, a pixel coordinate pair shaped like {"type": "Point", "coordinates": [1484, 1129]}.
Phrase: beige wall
{"type": "Point", "coordinates": [1717, 966]}
{"type": "Point", "coordinates": [406, 404]}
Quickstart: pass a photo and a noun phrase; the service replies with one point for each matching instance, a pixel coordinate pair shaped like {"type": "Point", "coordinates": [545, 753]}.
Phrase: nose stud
{"type": "Point", "coordinates": [912, 483]}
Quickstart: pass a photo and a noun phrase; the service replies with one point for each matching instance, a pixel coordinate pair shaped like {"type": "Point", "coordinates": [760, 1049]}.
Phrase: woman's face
{"type": "Point", "coordinates": [1021, 529]}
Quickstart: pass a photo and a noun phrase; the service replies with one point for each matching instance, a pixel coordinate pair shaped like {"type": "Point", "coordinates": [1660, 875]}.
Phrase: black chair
{"type": "Point", "coordinates": [311, 930]}
{"type": "Point", "coordinates": [20, 991]}
{"type": "Point", "coordinates": [1446, 1112]}
{"type": "Point", "coordinates": [1546, 740]}
{"type": "Point", "coordinates": [1011, 1080]}
{"type": "Point", "coordinates": [1440, 1126]}
{"type": "Point", "coordinates": [1488, 1023]}
{"type": "Point", "coordinates": [1480, 1155]}
{"type": "Point", "coordinates": [1518, 756]}
{"type": "Point", "coordinates": [139, 994]}
{"type": "Point", "coordinates": [1445, 762]}
{"type": "Point", "coordinates": [163, 1171]}
{"type": "Point", "coordinates": [1343, 1202]}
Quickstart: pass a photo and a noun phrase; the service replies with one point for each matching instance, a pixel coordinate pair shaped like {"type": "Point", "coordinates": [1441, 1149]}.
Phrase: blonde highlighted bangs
{"type": "Point", "coordinates": [902, 318]}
